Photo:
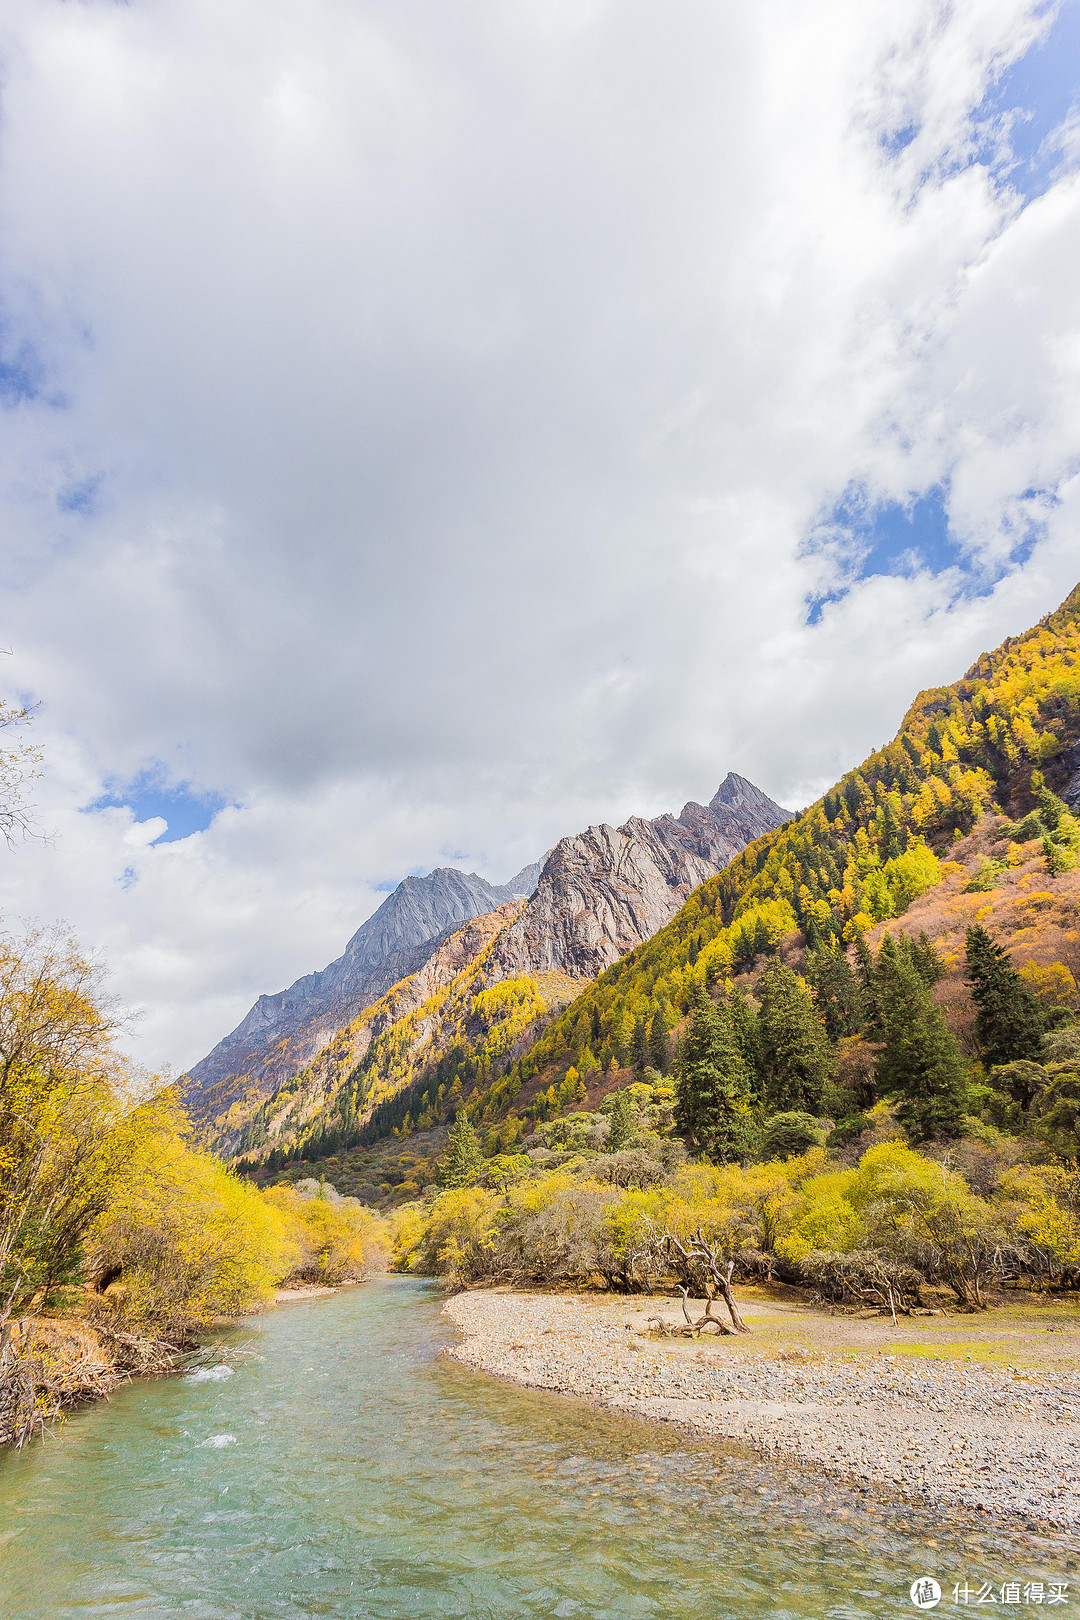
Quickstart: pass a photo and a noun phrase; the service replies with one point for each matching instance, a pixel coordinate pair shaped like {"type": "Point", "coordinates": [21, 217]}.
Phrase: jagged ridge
{"type": "Point", "coordinates": [858, 855]}
{"type": "Point", "coordinates": [282, 1032]}
{"type": "Point", "coordinates": [599, 894]}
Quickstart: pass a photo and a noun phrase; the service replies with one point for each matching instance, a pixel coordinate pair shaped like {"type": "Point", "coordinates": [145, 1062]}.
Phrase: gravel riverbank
{"type": "Point", "coordinates": [934, 1432]}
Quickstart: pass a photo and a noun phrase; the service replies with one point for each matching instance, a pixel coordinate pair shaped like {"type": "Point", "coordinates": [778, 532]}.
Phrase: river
{"type": "Point", "coordinates": [338, 1468]}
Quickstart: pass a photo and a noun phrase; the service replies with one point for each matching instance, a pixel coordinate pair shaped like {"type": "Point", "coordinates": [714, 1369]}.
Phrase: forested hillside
{"type": "Point", "coordinates": [482, 995]}
{"type": "Point", "coordinates": [852, 1062]}
{"type": "Point", "coordinates": [777, 941]}
{"type": "Point", "coordinates": [860, 854]}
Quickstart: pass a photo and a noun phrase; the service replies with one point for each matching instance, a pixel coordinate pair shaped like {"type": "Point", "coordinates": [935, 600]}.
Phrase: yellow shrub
{"type": "Point", "coordinates": [451, 1235]}
{"type": "Point", "coordinates": [1053, 985]}
{"type": "Point", "coordinates": [1039, 1199]}
{"type": "Point", "coordinates": [336, 1242]}
{"type": "Point", "coordinates": [190, 1240]}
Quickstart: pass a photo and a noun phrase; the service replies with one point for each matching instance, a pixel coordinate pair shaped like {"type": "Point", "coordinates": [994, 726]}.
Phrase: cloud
{"type": "Point", "coordinates": [420, 430]}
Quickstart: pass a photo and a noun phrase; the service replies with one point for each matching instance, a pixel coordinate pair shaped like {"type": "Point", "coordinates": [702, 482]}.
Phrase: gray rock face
{"type": "Point", "coordinates": [595, 897]}
{"type": "Point", "coordinates": [611, 888]}
{"type": "Point", "coordinates": [525, 881]}
{"type": "Point", "coordinates": [283, 1031]}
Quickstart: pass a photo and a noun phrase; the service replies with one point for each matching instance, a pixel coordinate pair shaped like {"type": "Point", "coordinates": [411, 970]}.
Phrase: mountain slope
{"type": "Point", "coordinates": [282, 1032]}
{"type": "Point", "coordinates": [383, 1042]}
{"type": "Point", "coordinates": [599, 894]}
{"type": "Point", "coordinates": [856, 857]}
{"type": "Point", "coordinates": [608, 889]}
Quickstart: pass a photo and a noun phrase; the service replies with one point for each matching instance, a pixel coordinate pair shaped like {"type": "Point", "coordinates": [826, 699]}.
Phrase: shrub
{"type": "Point", "coordinates": [848, 1130]}
{"type": "Point", "coordinates": [632, 1168]}
{"type": "Point", "coordinates": [787, 1135]}
{"type": "Point", "coordinates": [189, 1241]}
{"type": "Point", "coordinates": [863, 1277]}
{"type": "Point", "coordinates": [338, 1239]}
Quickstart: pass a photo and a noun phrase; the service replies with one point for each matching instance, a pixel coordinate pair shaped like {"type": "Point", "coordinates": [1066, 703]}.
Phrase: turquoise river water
{"type": "Point", "coordinates": [339, 1468]}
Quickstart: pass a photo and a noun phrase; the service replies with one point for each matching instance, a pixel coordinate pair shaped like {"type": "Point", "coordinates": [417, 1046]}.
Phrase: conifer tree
{"type": "Point", "coordinates": [864, 972]}
{"type": "Point", "coordinates": [925, 959]}
{"type": "Point", "coordinates": [893, 839]}
{"type": "Point", "coordinates": [796, 1058]}
{"type": "Point", "coordinates": [462, 1158]}
{"type": "Point", "coordinates": [1009, 1023]}
{"type": "Point", "coordinates": [658, 1042]}
{"type": "Point", "coordinates": [712, 1085]}
{"type": "Point", "coordinates": [919, 1064]}
{"type": "Point", "coordinates": [1051, 808]}
{"type": "Point", "coordinates": [621, 1121]}
{"type": "Point", "coordinates": [837, 991]}
{"type": "Point", "coordinates": [639, 1047]}
{"type": "Point", "coordinates": [744, 1024]}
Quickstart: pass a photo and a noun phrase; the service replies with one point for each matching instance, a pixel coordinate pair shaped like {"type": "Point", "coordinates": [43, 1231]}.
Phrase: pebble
{"type": "Point", "coordinates": [943, 1435]}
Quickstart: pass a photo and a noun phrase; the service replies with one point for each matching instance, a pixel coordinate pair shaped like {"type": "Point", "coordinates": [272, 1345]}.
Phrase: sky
{"type": "Point", "coordinates": [428, 430]}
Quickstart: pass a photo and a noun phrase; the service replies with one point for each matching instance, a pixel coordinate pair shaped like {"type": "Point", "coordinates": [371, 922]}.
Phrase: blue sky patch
{"type": "Point", "coordinates": [1016, 124]}
{"type": "Point", "coordinates": [80, 497]}
{"type": "Point", "coordinates": [187, 809]}
{"type": "Point", "coordinates": [867, 539]}
{"type": "Point", "coordinates": [1036, 95]}
{"type": "Point", "coordinates": [18, 379]}
{"type": "Point", "coordinates": [896, 537]}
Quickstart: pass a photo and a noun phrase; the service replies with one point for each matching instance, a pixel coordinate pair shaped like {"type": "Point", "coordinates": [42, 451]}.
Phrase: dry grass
{"type": "Point", "coordinates": [1039, 1333]}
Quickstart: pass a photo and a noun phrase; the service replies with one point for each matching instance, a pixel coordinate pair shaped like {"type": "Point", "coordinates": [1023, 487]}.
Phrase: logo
{"type": "Point", "coordinates": [925, 1592]}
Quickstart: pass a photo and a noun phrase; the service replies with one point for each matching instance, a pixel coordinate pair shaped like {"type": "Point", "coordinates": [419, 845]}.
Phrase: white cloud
{"type": "Point", "coordinates": [142, 833]}
{"type": "Point", "coordinates": [461, 385]}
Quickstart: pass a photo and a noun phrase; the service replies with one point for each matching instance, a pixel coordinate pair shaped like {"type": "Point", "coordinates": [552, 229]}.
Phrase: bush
{"type": "Point", "coordinates": [848, 1130]}
{"type": "Point", "coordinates": [631, 1168]}
{"type": "Point", "coordinates": [863, 1277]}
{"type": "Point", "coordinates": [337, 1239]}
{"type": "Point", "coordinates": [1056, 1111]}
{"type": "Point", "coordinates": [787, 1135]}
{"type": "Point", "coordinates": [188, 1241]}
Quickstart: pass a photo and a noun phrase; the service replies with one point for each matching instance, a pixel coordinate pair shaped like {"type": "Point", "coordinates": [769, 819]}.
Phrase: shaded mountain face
{"type": "Point", "coordinates": [597, 896]}
{"type": "Point", "coordinates": [283, 1031]}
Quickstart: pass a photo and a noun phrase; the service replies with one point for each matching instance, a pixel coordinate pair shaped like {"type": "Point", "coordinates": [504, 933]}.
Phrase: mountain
{"type": "Point", "coordinates": [965, 755]}
{"type": "Point", "coordinates": [283, 1031]}
{"type": "Point", "coordinates": [610, 888]}
{"type": "Point", "coordinates": [526, 880]}
{"type": "Point", "coordinates": [955, 820]}
{"type": "Point", "coordinates": [598, 895]}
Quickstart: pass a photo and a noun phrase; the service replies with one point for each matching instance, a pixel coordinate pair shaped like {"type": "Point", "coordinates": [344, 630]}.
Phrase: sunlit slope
{"type": "Point", "coordinates": [462, 1030]}
{"type": "Point", "coordinates": [859, 855]}
{"type": "Point", "coordinates": [447, 1002]}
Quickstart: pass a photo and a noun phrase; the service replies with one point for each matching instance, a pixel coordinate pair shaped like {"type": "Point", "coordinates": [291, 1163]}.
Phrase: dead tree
{"type": "Point", "coordinates": [700, 1258]}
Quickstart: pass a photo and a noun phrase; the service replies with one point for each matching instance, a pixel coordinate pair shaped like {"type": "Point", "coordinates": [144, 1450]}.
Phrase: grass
{"type": "Point", "coordinates": [1036, 1334]}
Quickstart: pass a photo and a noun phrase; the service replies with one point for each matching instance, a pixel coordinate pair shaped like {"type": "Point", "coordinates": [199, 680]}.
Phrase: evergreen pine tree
{"type": "Point", "coordinates": [1009, 1023]}
{"type": "Point", "coordinates": [919, 1063]}
{"type": "Point", "coordinates": [462, 1158]}
{"type": "Point", "coordinates": [925, 959]}
{"type": "Point", "coordinates": [1051, 808]}
{"type": "Point", "coordinates": [712, 1085]}
{"type": "Point", "coordinates": [639, 1047]}
{"type": "Point", "coordinates": [796, 1058]}
{"type": "Point", "coordinates": [621, 1121]}
{"type": "Point", "coordinates": [893, 839]}
{"type": "Point", "coordinates": [864, 972]}
{"type": "Point", "coordinates": [744, 1025]}
{"type": "Point", "coordinates": [837, 991]}
{"type": "Point", "coordinates": [658, 1042]}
